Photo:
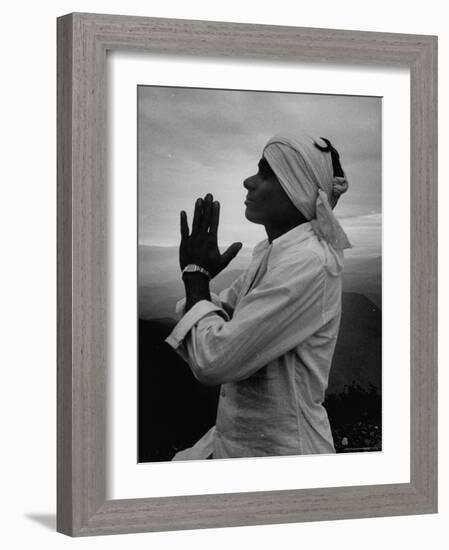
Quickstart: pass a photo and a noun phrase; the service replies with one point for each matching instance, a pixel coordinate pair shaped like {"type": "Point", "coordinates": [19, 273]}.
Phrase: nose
{"type": "Point", "coordinates": [249, 183]}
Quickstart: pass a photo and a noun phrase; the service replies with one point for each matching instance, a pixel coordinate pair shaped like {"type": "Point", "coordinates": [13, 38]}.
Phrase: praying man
{"type": "Point", "coordinates": [268, 340]}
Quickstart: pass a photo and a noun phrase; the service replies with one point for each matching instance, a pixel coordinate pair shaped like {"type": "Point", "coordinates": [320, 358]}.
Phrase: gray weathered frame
{"type": "Point", "coordinates": [83, 40]}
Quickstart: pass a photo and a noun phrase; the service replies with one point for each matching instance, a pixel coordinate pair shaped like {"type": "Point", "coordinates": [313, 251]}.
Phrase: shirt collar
{"type": "Point", "coordinates": [293, 237]}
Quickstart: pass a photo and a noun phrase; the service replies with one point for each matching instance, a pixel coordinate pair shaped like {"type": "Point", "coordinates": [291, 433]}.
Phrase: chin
{"type": "Point", "coordinates": [252, 216]}
{"type": "Point", "coordinates": [254, 219]}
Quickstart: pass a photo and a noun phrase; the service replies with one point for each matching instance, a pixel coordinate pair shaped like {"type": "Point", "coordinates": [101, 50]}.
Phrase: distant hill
{"type": "Point", "coordinates": [358, 353]}
{"type": "Point", "coordinates": [363, 265]}
{"type": "Point", "coordinates": [364, 276]}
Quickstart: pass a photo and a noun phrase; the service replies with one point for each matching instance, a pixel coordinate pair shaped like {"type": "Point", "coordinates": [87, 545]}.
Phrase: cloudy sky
{"type": "Point", "coordinates": [194, 141]}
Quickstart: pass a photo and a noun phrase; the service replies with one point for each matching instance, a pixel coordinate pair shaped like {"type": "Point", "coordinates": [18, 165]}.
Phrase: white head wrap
{"type": "Point", "coordinates": [307, 176]}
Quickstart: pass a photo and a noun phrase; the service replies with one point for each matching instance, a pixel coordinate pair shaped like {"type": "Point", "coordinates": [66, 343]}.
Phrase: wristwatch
{"type": "Point", "coordinates": [193, 268]}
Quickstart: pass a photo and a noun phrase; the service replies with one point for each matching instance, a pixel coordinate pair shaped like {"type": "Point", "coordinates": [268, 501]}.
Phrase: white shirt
{"type": "Point", "coordinates": [269, 340]}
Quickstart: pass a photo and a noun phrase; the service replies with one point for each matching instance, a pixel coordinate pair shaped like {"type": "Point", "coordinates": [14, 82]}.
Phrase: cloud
{"type": "Point", "coordinates": [368, 220]}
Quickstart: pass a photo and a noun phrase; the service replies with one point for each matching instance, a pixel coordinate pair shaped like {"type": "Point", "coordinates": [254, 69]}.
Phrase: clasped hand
{"type": "Point", "coordinates": [201, 247]}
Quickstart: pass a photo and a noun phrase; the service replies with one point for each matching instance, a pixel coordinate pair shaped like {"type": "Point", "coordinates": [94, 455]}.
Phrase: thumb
{"type": "Point", "coordinates": [230, 253]}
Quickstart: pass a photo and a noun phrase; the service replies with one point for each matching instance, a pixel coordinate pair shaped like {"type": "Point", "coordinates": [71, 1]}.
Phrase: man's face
{"type": "Point", "coordinates": [266, 201]}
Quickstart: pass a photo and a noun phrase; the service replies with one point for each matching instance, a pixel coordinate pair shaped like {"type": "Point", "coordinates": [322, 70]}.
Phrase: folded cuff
{"type": "Point", "coordinates": [190, 319]}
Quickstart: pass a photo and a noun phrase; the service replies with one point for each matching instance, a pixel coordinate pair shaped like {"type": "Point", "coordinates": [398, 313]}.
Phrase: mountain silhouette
{"type": "Point", "coordinates": [358, 352]}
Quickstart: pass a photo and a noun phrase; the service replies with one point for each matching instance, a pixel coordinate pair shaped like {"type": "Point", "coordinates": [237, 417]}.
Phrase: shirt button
{"type": "Point", "coordinates": [223, 392]}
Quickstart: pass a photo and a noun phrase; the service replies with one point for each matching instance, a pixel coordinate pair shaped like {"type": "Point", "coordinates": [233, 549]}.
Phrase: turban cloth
{"type": "Point", "coordinates": [306, 174]}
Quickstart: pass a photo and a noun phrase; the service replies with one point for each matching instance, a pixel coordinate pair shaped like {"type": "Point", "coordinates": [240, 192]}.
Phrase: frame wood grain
{"type": "Point", "coordinates": [83, 40]}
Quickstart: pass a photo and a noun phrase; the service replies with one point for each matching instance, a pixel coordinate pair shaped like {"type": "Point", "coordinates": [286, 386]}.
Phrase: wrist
{"type": "Point", "coordinates": [196, 288]}
{"type": "Point", "coordinates": [196, 279]}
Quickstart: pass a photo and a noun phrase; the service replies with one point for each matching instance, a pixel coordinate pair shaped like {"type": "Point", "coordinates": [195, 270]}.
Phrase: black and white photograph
{"type": "Point", "coordinates": [259, 274]}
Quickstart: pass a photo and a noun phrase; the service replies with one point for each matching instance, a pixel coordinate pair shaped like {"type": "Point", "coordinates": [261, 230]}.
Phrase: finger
{"type": "Point", "coordinates": [184, 225]}
{"type": "Point", "coordinates": [230, 253]}
{"type": "Point", "coordinates": [215, 218]}
{"type": "Point", "coordinates": [197, 215]}
{"type": "Point", "coordinates": [207, 209]}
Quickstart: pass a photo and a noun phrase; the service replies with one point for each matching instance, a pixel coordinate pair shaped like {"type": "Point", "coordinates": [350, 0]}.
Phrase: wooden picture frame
{"type": "Point", "coordinates": [83, 40]}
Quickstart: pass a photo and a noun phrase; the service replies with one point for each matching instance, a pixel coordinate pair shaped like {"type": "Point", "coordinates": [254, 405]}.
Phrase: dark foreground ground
{"type": "Point", "coordinates": [175, 410]}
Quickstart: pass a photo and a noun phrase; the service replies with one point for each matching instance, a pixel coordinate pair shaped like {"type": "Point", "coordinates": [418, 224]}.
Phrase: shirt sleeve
{"type": "Point", "coordinates": [226, 300]}
{"type": "Point", "coordinates": [274, 317]}
{"type": "Point", "coordinates": [228, 297]}
{"type": "Point", "coordinates": [200, 310]}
